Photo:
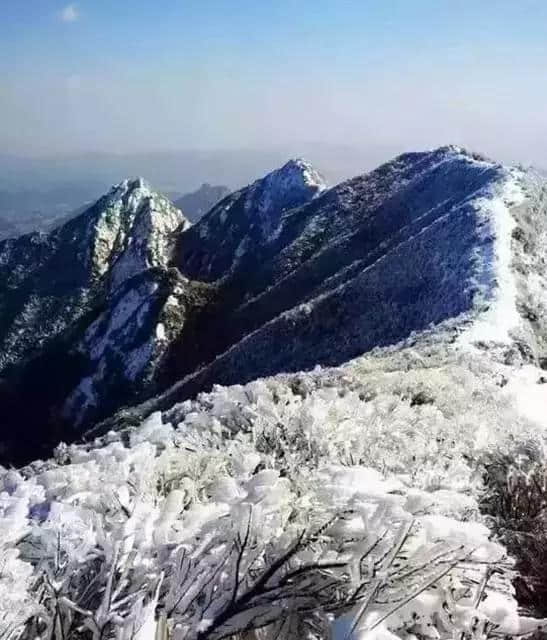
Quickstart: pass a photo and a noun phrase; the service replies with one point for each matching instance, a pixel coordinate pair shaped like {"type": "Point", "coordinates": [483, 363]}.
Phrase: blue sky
{"type": "Point", "coordinates": [124, 76]}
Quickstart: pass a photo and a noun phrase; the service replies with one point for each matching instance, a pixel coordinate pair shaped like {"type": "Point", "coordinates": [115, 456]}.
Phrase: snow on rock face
{"type": "Point", "coordinates": [293, 184]}
{"type": "Point", "coordinates": [49, 281]}
{"type": "Point", "coordinates": [248, 219]}
{"type": "Point", "coordinates": [134, 303]}
{"type": "Point", "coordinates": [133, 232]}
{"type": "Point", "coordinates": [84, 301]}
{"type": "Point", "coordinates": [125, 344]}
{"type": "Point", "coordinates": [107, 230]}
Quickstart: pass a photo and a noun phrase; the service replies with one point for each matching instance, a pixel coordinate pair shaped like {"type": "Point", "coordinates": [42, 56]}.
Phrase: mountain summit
{"type": "Point", "coordinates": [128, 300]}
{"type": "Point", "coordinates": [50, 281]}
{"type": "Point", "coordinates": [247, 220]}
{"type": "Point", "coordinates": [110, 262]}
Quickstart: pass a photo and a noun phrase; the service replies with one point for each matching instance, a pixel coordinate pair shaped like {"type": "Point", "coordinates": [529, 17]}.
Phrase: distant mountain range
{"type": "Point", "coordinates": [37, 193]}
{"type": "Point", "coordinates": [196, 204]}
{"type": "Point", "coordinates": [28, 209]}
{"type": "Point", "coordinates": [130, 303]}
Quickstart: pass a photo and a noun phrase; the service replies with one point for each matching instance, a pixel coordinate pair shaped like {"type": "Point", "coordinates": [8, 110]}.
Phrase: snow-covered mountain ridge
{"type": "Point", "coordinates": [280, 276]}
{"type": "Point", "coordinates": [425, 239]}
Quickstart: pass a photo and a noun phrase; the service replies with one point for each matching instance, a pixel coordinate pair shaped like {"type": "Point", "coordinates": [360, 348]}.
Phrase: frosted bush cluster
{"type": "Point", "coordinates": [261, 511]}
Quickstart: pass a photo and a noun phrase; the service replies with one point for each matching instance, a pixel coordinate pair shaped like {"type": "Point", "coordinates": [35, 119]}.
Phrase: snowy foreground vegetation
{"type": "Point", "coordinates": [335, 504]}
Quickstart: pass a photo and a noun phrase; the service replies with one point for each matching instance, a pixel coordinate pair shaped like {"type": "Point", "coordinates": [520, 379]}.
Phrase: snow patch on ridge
{"type": "Point", "coordinates": [495, 324]}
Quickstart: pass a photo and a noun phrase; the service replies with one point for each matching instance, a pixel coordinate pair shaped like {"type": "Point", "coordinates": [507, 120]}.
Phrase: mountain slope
{"type": "Point", "coordinates": [48, 281]}
{"type": "Point", "coordinates": [282, 275]}
{"type": "Point", "coordinates": [196, 304]}
{"type": "Point", "coordinates": [335, 502]}
{"type": "Point", "coordinates": [246, 221]}
{"type": "Point", "coordinates": [424, 239]}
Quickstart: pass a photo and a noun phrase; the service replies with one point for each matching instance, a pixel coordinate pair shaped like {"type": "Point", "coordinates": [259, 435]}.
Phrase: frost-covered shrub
{"type": "Point", "coordinates": [260, 510]}
{"type": "Point", "coordinates": [516, 501]}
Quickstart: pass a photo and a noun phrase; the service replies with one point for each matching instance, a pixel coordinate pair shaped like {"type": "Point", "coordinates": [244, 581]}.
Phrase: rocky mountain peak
{"type": "Point", "coordinates": [54, 279]}
{"type": "Point", "coordinates": [247, 220]}
{"type": "Point", "coordinates": [292, 185]}
{"type": "Point", "coordinates": [297, 172]}
{"type": "Point", "coordinates": [129, 230]}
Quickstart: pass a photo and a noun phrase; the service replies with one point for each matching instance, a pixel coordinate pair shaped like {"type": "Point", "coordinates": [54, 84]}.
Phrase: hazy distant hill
{"type": "Point", "coordinates": [32, 207]}
{"type": "Point", "coordinates": [196, 204]}
{"type": "Point", "coordinates": [7, 229]}
{"type": "Point", "coordinates": [181, 171]}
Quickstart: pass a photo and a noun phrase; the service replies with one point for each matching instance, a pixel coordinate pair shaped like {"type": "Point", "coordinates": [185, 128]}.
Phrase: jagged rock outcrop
{"type": "Point", "coordinates": [49, 281]}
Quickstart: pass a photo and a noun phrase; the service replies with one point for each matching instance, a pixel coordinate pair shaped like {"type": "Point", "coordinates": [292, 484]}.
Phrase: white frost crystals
{"type": "Point", "coordinates": [259, 506]}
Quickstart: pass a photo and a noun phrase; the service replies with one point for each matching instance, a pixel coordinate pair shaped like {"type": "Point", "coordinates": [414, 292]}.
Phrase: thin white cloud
{"type": "Point", "coordinates": [70, 13]}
